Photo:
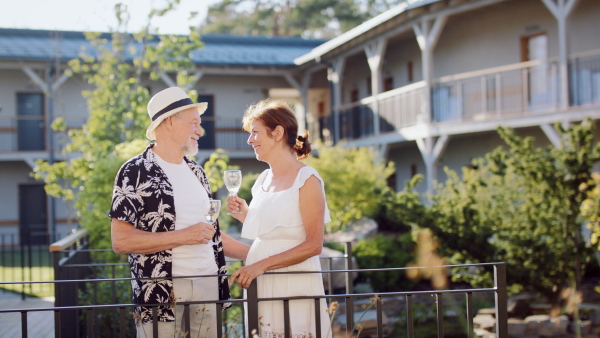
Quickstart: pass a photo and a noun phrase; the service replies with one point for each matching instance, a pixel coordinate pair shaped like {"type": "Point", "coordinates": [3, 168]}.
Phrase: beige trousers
{"type": "Point", "coordinates": [203, 318]}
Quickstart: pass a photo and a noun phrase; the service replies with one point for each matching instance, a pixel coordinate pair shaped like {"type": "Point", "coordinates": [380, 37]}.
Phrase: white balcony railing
{"type": "Point", "coordinates": [521, 89]}
{"type": "Point", "coordinates": [28, 134]}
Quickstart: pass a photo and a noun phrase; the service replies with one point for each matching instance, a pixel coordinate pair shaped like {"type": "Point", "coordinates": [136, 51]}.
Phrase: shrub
{"type": "Point", "coordinates": [385, 252]}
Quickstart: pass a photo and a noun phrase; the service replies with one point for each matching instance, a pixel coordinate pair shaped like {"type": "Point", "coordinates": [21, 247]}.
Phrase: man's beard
{"type": "Point", "coordinates": [190, 148]}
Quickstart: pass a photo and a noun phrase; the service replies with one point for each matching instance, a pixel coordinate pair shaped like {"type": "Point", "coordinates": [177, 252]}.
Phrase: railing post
{"type": "Point", "coordinates": [439, 302]}
{"type": "Point", "coordinates": [460, 101]}
{"type": "Point", "coordinates": [24, 333]}
{"type": "Point", "coordinates": [252, 299]}
{"type": "Point", "coordinates": [501, 300]}
{"type": "Point", "coordinates": [498, 85]}
{"type": "Point", "coordinates": [554, 86]}
{"type": "Point", "coordinates": [349, 286]}
{"type": "Point", "coordinates": [57, 300]}
{"type": "Point", "coordinates": [525, 89]}
{"type": "Point", "coordinates": [410, 330]}
{"type": "Point", "coordinates": [484, 94]}
{"type": "Point", "coordinates": [469, 301]}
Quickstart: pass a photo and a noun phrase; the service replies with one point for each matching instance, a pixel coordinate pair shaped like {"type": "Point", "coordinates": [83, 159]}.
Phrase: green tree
{"type": "Point", "coordinates": [523, 206]}
{"type": "Point", "coordinates": [116, 67]}
{"type": "Point", "coordinates": [307, 18]}
{"type": "Point", "coordinates": [355, 180]}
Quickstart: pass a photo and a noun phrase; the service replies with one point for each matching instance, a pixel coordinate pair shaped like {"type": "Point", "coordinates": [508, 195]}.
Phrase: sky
{"type": "Point", "coordinates": [97, 15]}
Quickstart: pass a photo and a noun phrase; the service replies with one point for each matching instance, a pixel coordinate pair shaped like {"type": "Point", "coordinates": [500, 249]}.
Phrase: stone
{"type": "Point", "coordinates": [586, 326]}
{"type": "Point", "coordinates": [547, 326]}
{"type": "Point", "coordinates": [485, 322]}
{"type": "Point", "coordinates": [481, 333]}
{"type": "Point", "coordinates": [487, 311]}
{"type": "Point", "coordinates": [516, 326]}
{"type": "Point", "coordinates": [595, 318]}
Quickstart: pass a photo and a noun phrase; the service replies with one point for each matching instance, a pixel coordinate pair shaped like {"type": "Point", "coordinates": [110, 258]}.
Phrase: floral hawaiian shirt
{"type": "Point", "coordinates": [143, 197]}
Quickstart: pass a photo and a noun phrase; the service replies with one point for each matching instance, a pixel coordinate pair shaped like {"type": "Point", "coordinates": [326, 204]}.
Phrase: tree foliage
{"type": "Point", "coordinates": [306, 18]}
{"type": "Point", "coordinates": [523, 206]}
{"type": "Point", "coordinates": [354, 180]}
{"type": "Point", "coordinates": [115, 68]}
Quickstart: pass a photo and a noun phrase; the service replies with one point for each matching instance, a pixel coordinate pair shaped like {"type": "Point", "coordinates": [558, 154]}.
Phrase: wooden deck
{"type": "Point", "coordinates": [39, 323]}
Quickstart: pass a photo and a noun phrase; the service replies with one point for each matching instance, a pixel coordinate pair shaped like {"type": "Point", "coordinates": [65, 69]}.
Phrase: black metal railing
{"type": "Point", "coordinates": [87, 320]}
{"type": "Point", "coordinates": [100, 315]}
{"type": "Point", "coordinates": [24, 256]}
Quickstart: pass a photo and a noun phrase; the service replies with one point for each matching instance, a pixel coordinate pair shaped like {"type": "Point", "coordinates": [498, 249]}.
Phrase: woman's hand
{"type": "Point", "coordinates": [246, 274]}
{"type": "Point", "coordinates": [237, 207]}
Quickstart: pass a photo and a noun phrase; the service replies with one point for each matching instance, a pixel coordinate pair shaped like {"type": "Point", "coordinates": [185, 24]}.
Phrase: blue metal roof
{"type": "Point", "coordinates": [218, 50]}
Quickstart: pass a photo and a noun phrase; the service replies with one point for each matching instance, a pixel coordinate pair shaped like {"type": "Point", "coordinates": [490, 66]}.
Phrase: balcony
{"type": "Point", "coordinates": [24, 138]}
{"type": "Point", "coordinates": [518, 90]}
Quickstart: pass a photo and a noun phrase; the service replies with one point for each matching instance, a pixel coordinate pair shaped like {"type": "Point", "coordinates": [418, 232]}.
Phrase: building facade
{"type": "Point", "coordinates": [425, 84]}
{"type": "Point", "coordinates": [428, 82]}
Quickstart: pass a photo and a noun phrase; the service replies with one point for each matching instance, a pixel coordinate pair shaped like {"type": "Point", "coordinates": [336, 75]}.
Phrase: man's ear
{"type": "Point", "coordinates": [169, 122]}
{"type": "Point", "coordinates": [278, 132]}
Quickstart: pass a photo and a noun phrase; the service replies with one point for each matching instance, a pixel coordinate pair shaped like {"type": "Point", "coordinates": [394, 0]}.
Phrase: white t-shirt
{"type": "Point", "coordinates": [191, 200]}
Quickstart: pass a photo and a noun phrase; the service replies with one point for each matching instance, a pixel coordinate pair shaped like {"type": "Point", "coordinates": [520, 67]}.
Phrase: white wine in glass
{"type": "Point", "coordinates": [211, 213]}
{"type": "Point", "coordinates": [233, 181]}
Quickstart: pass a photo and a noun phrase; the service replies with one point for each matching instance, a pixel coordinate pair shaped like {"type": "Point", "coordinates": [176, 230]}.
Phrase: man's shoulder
{"type": "Point", "coordinates": [135, 164]}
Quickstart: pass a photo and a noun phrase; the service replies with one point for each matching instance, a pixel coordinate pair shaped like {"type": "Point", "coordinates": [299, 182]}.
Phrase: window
{"type": "Point", "coordinates": [413, 170]}
{"type": "Point", "coordinates": [388, 84]}
{"type": "Point", "coordinates": [321, 108]}
{"type": "Point", "coordinates": [354, 95]}
{"type": "Point", "coordinates": [369, 87]}
{"type": "Point", "coordinates": [409, 71]}
{"type": "Point", "coordinates": [31, 131]}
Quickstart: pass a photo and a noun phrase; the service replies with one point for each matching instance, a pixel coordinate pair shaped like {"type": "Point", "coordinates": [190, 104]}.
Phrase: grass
{"type": "Point", "coordinates": [37, 267]}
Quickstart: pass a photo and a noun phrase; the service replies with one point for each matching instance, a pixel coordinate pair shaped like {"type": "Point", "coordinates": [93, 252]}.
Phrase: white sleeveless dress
{"type": "Point", "coordinates": [275, 224]}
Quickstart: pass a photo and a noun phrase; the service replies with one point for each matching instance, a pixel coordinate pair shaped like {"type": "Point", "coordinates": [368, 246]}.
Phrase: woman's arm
{"type": "Point", "coordinates": [234, 248]}
{"type": "Point", "coordinates": [312, 210]}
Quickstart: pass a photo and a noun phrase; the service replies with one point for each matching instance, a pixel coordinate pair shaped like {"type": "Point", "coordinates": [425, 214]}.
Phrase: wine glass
{"type": "Point", "coordinates": [212, 212]}
{"type": "Point", "coordinates": [233, 181]}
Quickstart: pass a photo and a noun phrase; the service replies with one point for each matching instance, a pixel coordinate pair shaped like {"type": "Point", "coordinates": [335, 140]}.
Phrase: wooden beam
{"type": "Point", "coordinates": [36, 79]}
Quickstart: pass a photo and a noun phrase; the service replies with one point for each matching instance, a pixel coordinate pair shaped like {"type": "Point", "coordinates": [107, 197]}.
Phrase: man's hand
{"type": "Point", "coordinates": [127, 239]}
{"type": "Point", "coordinates": [199, 233]}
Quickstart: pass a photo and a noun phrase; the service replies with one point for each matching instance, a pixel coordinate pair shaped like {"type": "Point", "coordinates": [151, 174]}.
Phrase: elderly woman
{"type": "Point", "coordinates": [285, 219]}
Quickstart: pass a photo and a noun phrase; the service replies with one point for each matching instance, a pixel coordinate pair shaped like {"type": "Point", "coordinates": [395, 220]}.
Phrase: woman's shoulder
{"type": "Point", "coordinates": [305, 173]}
{"type": "Point", "coordinates": [260, 179]}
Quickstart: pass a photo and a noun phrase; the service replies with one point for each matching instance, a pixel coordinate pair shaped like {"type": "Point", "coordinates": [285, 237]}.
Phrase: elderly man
{"type": "Point", "coordinates": [157, 216]}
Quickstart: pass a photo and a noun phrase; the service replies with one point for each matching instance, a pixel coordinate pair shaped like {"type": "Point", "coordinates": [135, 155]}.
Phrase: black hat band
{"type": "Point", "coordinates": [177, 104]}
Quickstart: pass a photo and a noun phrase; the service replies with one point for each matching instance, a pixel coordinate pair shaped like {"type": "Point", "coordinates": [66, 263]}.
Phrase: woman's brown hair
{"type": "Point", "coordinates": [275, 113]}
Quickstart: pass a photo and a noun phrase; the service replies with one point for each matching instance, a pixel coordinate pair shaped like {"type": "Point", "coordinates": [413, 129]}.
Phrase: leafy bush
{"type": "Point", "coordinates": [354, 180]}
{"type": "Point", "coordinates": [399, 212]}
{"type": "Point", "coordinates": [385, 252]}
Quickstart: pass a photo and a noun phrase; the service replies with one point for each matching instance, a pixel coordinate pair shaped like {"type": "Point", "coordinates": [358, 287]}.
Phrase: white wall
{"type": "Point", "coordinates": [491, 36]}
{"type": "Point", "coordinates": [233, 94]}
{"type": "Point", "coordinates": [397, 56]}
{"type": "Point", "coordinates": [355, 74]}
{"type": "Point", "coordinates": [583, 27]}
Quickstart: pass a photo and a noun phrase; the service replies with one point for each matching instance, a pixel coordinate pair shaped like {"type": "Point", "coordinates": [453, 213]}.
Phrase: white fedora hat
{"type": "Point", "coordinates": [166, 103]}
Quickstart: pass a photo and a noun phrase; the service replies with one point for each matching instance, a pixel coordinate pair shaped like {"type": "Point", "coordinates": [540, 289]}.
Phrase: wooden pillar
{"type": "Point", "coordinates": [431, 153]}
{"type": "Point", "coordinates": [428, 32]}
{"type": "Point", "coordinates": [375, 52]}
{"type": "Point", "coordinates": [334, 74]}
{"type": "Point", "coordinates": [561, 9]}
